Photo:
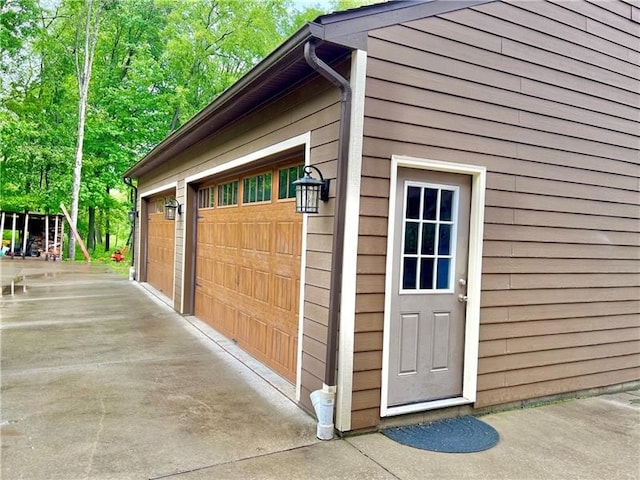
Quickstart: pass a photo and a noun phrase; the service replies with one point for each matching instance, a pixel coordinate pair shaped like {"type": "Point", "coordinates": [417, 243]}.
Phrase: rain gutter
{"type": "Point", "coordinates": [134, 195]}
{"type": "Point", "coordinates": [340, 207]}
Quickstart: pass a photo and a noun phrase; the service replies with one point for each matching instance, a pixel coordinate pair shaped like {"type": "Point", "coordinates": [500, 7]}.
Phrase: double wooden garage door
{"type": "Point", "coordinates": [248, 266]}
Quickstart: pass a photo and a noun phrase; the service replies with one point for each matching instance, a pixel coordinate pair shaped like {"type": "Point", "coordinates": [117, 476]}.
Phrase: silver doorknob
{"type": "Point", "coordinates": [463, 298]}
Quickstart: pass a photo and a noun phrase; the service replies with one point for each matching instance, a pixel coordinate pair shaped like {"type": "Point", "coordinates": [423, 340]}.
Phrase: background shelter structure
{"type": "Point", "coordinates": [32, 234]}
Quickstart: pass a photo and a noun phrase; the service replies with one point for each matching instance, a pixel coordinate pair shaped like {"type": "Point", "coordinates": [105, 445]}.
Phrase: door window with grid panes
{"type": "Point", "coordinates": [428, 237]}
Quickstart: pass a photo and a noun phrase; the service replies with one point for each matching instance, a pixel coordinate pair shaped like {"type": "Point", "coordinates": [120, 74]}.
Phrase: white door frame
{"type": "Point", "coordinates": [472, 326]}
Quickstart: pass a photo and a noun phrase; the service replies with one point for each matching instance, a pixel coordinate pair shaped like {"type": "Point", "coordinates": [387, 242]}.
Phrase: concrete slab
{"type": "Point", "coordinates": [335, 460]}
{"type": "Point", "coordinates": [593, 438]}
{"type": "Point", "coordinates": [100, 381]}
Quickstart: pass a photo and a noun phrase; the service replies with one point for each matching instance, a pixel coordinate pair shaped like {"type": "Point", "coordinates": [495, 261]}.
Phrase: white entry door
{"type": "Point", "coordinates": [429, 277]}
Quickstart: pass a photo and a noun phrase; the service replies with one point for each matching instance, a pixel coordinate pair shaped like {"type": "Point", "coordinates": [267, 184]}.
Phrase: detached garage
{"type": "Point", "coordinates": [479, 241]}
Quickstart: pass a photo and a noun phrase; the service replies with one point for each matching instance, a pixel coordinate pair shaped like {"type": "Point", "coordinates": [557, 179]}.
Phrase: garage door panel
{"type": "Point", "coordinates": [283, 292]}
{"type": "Point", "coordinates": [282, 346]}
{"type": "Point", "coordinates": [261, 286]}
{"type": "Point", "coordinates": [288, 236]}
{"type": "Point", "coordinates": [248, 258]}
{"type": "Point", "coordinates": [227, 315]}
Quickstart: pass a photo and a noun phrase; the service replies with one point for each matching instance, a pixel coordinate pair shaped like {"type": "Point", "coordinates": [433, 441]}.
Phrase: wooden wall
{"type": "Point", "coordinates": [546, 96]}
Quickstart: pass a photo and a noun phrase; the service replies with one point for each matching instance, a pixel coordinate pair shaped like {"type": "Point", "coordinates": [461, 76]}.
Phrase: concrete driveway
{"type": "Point", "coordinates": [100, 380]}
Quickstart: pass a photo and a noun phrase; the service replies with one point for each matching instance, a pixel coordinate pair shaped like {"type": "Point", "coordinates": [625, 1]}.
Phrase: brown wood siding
{"type": "Point", "coordinates": [545, 95]}
{"type": "Point", "coordinates": [313, 107]}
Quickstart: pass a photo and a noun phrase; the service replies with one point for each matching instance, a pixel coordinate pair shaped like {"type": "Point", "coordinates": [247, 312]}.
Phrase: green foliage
{"type": "Point", "coordinates": [18, 22]}
{"type": "Point", "coordinates": [157, 63]}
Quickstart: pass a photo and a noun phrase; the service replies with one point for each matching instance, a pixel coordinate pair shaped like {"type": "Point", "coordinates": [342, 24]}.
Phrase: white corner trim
{"type": "Point", "coordinates": [302, 139]}
{"type": "Point", "coordinates": [182, 199]}
{"type": "Point", "coordinates": [303, 280]}
{"type": "Point", "coordinates": [472, 327]}
{"type": "Point", "coordinates": [350, 255]}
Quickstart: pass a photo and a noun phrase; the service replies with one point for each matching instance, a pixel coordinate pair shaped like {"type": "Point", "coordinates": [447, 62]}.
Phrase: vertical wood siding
{"type": "Point", "coordinates": [546, 96]}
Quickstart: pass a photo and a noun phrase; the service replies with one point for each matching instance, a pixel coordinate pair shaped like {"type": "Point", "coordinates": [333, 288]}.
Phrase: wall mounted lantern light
{"type": "Point", "coordinates": [171, 208]}
{"type": "Point", "coordinates": [133, 214]}
{"type": "Point", "coordinates": [309, 191]}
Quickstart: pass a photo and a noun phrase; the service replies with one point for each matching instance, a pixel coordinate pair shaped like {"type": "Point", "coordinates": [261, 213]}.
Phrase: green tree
{"type": "Point", "coordinates": [142, 71]}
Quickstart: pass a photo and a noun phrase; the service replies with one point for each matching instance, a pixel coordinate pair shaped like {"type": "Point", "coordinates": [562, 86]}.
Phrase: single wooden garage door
{"type": "Point", "coordinates": [160, 247]}
{"type": "Point", "coordinates": [248, 266]}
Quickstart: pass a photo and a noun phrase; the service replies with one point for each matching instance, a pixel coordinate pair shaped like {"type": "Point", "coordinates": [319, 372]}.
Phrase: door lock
{"type": "Point", "coordinates": [462, 282]}
{"type": "Point", "coordinates": [463, 298]}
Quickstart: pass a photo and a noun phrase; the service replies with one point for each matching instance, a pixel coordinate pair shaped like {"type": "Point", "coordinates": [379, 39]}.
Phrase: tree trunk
{"type": "Point", "coordinates": [77, 169]}
{"type": "Point", "coordinates": [107, 235]}
{"type": "Point", "coordinates": [91, 234]}
{"type": "Point", "coordinates": [175, 121]}
{"type": "Point", "coordinates": [83, 75]}
{"type": "Point", "coordinates": [99, 223]}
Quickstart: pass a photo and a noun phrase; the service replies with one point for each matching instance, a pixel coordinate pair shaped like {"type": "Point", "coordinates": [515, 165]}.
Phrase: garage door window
{"type": "Point", "coordinates": [257, 188]}
{"type": "Point", "coordinates": [228, 194]}
{"type": "Point", "coordinates": [205, 197]}
{"type": "Point", "coordinates": [287, 176]}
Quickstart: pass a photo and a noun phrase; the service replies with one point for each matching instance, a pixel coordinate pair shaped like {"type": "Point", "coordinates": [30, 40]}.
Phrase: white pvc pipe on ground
{"type": "Point", "coordinates": [323, 403]}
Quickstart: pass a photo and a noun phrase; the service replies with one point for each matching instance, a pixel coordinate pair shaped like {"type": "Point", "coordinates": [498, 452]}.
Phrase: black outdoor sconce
{"type": "Point", "coordinates": [309, 191]}
{"type": "Point", "coordinates": [171, 208]}
{"type": "Point", "coordinates": [133, 214]}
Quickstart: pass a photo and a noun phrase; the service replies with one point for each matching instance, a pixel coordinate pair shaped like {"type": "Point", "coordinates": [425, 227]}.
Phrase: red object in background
{"type": "Point", "coordinates": [117, 256]}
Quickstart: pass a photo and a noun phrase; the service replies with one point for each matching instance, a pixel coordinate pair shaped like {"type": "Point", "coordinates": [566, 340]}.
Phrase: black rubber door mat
{"type": "Point", "coordinates": [454, 435]}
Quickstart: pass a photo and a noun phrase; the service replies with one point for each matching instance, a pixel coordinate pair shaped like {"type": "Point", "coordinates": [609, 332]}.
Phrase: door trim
{"type": "Point", "coordinates": [472, 326]}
